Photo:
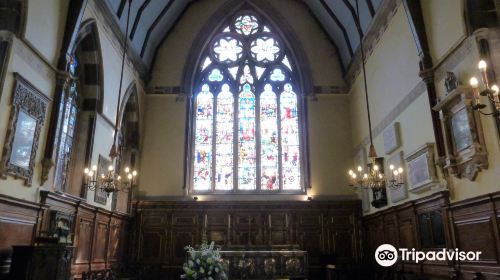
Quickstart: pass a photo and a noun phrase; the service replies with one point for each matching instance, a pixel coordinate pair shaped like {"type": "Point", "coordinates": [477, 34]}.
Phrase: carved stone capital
{"type": "Point", "coordinates": [481, 34]}
{"type": "Point", "coordinates": [427, 75]}
{"type": "Point", "coordinates": [47, 164]}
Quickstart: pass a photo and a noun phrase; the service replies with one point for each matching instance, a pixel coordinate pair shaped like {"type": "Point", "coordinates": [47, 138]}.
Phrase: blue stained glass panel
{"type": "Point", "coordinates": [290, 139]}
{"type": "Point", "coordinates": [246, 144]}
{"type": "Point", "coordinates": [224, 140]}
{"type": "Point", "coordinates": [215, 76]}
{"type": "Point", "coordinates": [202, 176]}
{"type": "Point", "coordinates": [277, 75]}
{"type": "Point", "coordinates": [269, 139]}
{"type": "Point", "coordinates": [243, 139]}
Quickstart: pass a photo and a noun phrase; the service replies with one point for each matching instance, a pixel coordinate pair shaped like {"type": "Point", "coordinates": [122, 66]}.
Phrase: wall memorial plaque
{"type": "Point", "coordinates": [392, 139]}
{"type": "Point", "coordinates": [27, 117]}
{"type": "Point", "coordinates": [421, 169]}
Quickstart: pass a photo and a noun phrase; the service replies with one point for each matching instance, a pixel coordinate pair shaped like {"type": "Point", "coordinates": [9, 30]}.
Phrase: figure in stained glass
{"type": "Point", "coordinates": [246, 133]}
{"type": "Point", "coordinates": [224, 144]}
{"type": "Point", "coordinates": [203, 140]}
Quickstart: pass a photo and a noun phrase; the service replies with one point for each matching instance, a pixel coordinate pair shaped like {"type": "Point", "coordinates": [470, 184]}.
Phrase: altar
{"type": "Point", "coordinates": [265, 262]}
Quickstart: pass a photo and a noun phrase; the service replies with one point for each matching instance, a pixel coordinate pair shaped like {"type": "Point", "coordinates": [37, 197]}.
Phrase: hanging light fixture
{"type": "Point", "coordinates": [373, 177]}
{"type": "Point", "coordinates": [112, 181]}
{"type": "Point", "coordinates": [489, 91]}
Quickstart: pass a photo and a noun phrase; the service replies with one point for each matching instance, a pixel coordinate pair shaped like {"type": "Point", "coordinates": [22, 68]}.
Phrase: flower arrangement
{"type": "Point", "coordinates": [204, 263]}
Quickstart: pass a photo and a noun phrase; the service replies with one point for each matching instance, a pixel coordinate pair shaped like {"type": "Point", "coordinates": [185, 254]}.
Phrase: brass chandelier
{"type": "Point", "coordinates": [109, 181]}
{"type": "Point", "coordinates": [373, 177]}
{"type": "Point", "coordinates": [112, 181]}
{"type": "Point", "coordinates": [489, 91]}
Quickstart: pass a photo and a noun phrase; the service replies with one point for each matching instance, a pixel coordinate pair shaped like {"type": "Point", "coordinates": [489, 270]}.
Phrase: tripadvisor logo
{"type": "Point", "coordinates": [387, 255]}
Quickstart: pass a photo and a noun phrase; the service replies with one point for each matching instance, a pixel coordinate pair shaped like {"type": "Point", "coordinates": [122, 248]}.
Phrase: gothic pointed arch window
{"type": "Point", "coordinates": [247, 118]}
{"type": "Point", "coordinates": [68, 112]}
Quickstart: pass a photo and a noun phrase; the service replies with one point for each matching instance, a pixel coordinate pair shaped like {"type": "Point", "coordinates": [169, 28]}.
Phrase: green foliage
{"type": "Point", "coordinates": [204, 263]}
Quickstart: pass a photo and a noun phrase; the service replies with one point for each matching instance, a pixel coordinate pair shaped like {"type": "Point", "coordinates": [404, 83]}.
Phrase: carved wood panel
{"type": "Point", "coordinates": [21, 221]}
{"type": "Point", "coordinates": [469, 225]}
{"type": "Point", "coordinates": [311, 225]}
{"type": "Point", "coordinates": [117, 240]}
{"type": "Point", "coordinates": [100, 242]}
{"type": "Point", "coordinates": [151, 246]}
{"type": "Point", "coordinates": [182, 237]}
{"type": "Point", "coordinates": [84, 232]}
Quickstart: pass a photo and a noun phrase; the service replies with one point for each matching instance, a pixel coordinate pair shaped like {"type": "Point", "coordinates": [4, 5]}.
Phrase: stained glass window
{"type": "Point", "coordinates": [203, 139]}
{"type": "Point", "coordinates": [224, 144]}
{"type": "Point", "coordinates": [265, 49]}
{"type": "Point", "coordinates": [68, 112]}
{"type": "Point", "coordinates": [246, 112]}
{"type": "Point", "coordinates": [289, 138]}
{"type": "Point", "coordinates": [269, 139]}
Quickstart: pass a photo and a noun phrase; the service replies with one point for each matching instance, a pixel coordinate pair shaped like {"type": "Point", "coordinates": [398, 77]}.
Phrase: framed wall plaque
{"type": "Point", "coordinates": [392, 139]}
{"type": "Point", "coordinates": [101, 196]}
{"type": "Point", "coordinates": [466, 152]}
{"type": "Point", "coordinates": [421, 168]}
{"type": "Point", "coordinates": [27, 117]}
{"type": "Point", "coordinates": [401, 192]}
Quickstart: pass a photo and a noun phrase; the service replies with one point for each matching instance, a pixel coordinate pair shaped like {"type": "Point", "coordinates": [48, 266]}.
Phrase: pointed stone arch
{"type": "Point", "coordinates": [288, 41]}
{"type": "Point", "coordinates": [87, 49]}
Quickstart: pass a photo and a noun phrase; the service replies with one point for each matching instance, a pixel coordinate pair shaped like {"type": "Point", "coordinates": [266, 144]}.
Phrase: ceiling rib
{"type": "Point", "coordinates": [339, 24]}
{"type": "Point", "coordinates": [354, 16]}
{"type": "Point", "coordinates": [370, 7]}
{"type": "Point", "coordinates": [155, 23]}
{"type": "Point", "coordinates": [150, 26]}
{"type": "Point", "coordinates": [138, 18]}
{"type": "Point", "coordinates": [119, 12]}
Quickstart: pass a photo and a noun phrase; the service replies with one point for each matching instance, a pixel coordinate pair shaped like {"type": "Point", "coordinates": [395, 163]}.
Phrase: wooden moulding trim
{"type": "Point", "coordinates": [78, 202]}
{"type": "Point", "coordinates": [425, 202]}
{"type": "Point", "coordinates": [444, 195]}
{"type": "Point", "coordinates": [494, 196]}
{"type": "Point", "coordinates": [247, 205]}
{"type": "Point", "coordinates": [5, 199]}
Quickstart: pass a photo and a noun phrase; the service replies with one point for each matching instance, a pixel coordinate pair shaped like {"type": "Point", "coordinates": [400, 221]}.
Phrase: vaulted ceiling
{"type": "Point", "coordinates": [151, 20]}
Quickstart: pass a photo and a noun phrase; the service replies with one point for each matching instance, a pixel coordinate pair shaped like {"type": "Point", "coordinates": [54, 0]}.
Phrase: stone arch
{"type": "Point", "coordinates": [128, 142]}
{"type": "Point", "coordinates": [87, 50]}
{"type": "Point", "coordinates": [296, 55]}
{"type": "Point", "coordinates": [277, 22]}
{"type": "Point", "coordinates": [481, 14]}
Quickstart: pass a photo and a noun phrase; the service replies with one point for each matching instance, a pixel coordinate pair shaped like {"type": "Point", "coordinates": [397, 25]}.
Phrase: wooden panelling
{"type": "Point", "coordinates": [21, 222]}
{"type": "Point", "coordinates": [117, 238]}
{"type": "Point", "coordinates": [323, 228]}
{"type": "Point", "coordinates": [151, 244]}
{"type": "Point", "coordinates": [469, 225]}
{"type": "Point", "coordinates": [181, 237]}
{"type": "Point", "coordinates": [18, 222]}
{"type": "Point", "coordinates": [84, 231]}
{"type": "Point", "coordinates": [99, 235]}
